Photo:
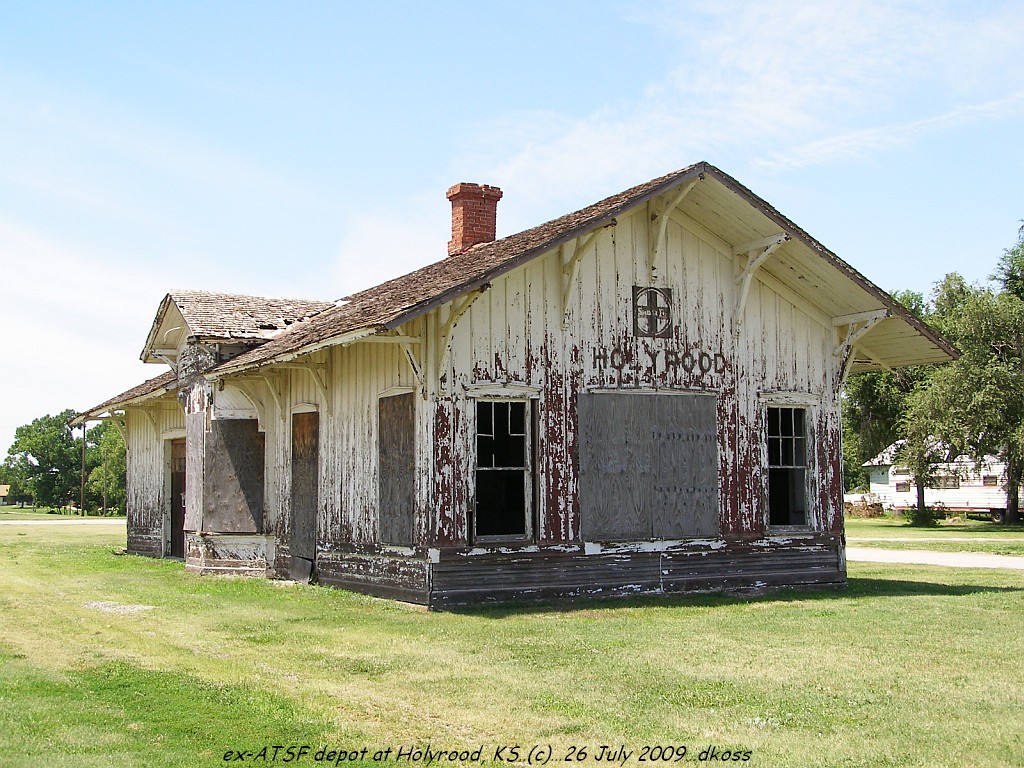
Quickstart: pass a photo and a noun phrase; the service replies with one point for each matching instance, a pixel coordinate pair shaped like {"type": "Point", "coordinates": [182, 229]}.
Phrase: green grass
{"type": "Point", "coordinates": [125, 661]}
{"type": "Point", "coordinates": [955, 535]}
{"type": "Point", "coordinates": [14, 512]}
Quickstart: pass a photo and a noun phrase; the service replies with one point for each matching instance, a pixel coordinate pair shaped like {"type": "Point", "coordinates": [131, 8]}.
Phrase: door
{"type": "Point", "coordinates": [177, 498]}
{"type": "Point", "coordinates": [305, 488]}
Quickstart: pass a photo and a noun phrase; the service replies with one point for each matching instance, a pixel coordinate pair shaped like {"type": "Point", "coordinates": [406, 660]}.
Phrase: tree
{"type": "Point", "coordinates": [105, 453]}
{"type": "Point", "coordinates": [976, 404]}
{"type": "Point", "coordinates": [49, 456]}
{"type": "Point", "coordinates": [1010, 269]}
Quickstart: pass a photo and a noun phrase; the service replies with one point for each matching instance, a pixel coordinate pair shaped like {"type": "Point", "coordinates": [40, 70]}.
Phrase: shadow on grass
{"type": "Point", "coordinates": [857, 588]}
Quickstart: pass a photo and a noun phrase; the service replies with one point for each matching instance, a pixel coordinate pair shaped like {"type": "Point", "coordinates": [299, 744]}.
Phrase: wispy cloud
{"type": "Point", "coordinates": [856, 144]}
{"type": "Point", "coordinates": [769, 85]}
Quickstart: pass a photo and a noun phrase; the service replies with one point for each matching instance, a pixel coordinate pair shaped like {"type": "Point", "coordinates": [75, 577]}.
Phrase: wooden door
{"type": "Point", "coordinates": [397, 468]}
{"type": "Point", "coordinates": [177, 533]}
{"type": "Point", "coordinates": [305, 492]}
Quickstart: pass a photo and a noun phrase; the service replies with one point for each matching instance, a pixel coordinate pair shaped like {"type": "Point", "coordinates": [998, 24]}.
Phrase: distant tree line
{"type": "Point", "coordinates": [972, 407]}
{"type": "Point", "coordinates": [44, 465]}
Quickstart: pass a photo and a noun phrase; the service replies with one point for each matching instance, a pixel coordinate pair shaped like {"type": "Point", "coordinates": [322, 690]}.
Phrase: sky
{"type": "Point", "coordinates": [303, 149]}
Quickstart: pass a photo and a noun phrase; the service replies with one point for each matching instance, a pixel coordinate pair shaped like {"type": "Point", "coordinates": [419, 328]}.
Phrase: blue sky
{"type": "Point", "coordinates": [304, 148]}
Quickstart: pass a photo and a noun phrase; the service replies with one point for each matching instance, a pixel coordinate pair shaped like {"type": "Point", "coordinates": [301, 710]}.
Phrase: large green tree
{"type": "Point", "coordinates": [976, 404]}
{"type": "Point", "coordinates": [105, 455]}
{"type": "Point", "coordinates": [49, 456]}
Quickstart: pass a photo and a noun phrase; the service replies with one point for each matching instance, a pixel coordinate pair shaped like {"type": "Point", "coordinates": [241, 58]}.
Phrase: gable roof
{"type": "Point", "coordinates": [147, 390]}
{"type": "Point", "coordinates": [719, 203]}
{"type": "Point", "coordinates": [226, 317]}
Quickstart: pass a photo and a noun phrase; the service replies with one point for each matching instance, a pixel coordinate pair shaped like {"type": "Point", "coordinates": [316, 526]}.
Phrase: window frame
{"type": "Point", "coordinates": [808, 404]}
{"type": "Point", "coordinates": [529, 468]}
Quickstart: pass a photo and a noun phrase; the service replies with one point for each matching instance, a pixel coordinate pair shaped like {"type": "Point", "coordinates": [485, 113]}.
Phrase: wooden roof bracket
{"type": "Point", "coordinates": [455, 311]}
{"type": "Point", "coordinates": [657, 243]}
{"type": "Point", "coordinates": [257, 403]}
{"type": "Point", "coordinates": [757, 253]}
{"type": "Point", "coordinates": [316, 372]}
{"type": "Point", "coordinates": [570, 257]}
{"type": "Point", "coordinates": [413, 347]}
{"type": "Point", "coordinates": [148, 413]}
{"type": "Point", "coordinates": [273, 385]}
{"type": "Point", "coordinates": [856, 326]}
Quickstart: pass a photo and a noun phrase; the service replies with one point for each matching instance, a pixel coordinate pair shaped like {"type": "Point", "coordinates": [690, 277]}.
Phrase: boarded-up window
{"type": "Point", "coordinates": [305, 487]}
{"type": "Point", "coordinates": [233, 481]}
{"type": "Point", "coordinates": [396, 468]}
{"type": "Point", "coordinates": [648, 466]}
{"type": "Point", "coordinates": [504, 477]}
{"type": "Point", "coordinates": [787, 466]}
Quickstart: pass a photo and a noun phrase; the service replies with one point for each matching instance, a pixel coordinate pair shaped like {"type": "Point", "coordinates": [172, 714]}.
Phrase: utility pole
{"type": "Point", "coordinates": [81, 492]}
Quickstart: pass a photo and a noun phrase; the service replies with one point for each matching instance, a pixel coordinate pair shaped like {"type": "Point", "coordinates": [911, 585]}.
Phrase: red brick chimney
{"type": "Point", "coordinates": [474, 215]}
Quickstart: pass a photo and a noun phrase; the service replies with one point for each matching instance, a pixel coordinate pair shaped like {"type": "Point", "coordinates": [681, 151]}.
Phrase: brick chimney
{"type": "Point", "coordinates": [474, 215]}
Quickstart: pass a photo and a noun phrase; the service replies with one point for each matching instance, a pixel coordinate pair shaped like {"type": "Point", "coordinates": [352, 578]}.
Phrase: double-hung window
{"type": "Point", "coordinates": [787, 466]}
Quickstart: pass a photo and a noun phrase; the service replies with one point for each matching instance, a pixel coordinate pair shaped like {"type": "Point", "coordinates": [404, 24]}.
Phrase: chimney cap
{"type": "Point", "coordinates": [468, 189]}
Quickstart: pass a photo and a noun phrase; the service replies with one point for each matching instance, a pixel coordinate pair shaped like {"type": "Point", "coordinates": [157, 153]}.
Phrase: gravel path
{"type": "Point", "coordinates": [927, 557]}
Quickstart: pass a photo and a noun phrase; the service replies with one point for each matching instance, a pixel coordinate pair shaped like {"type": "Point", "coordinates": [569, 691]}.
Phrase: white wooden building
{"type": "Point", "coordinates": [638, 397]}
{"type": "Point", "coordinates": [960, 484]}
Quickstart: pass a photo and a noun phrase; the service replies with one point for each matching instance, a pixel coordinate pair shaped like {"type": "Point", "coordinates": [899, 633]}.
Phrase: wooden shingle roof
{"type": "Point", "coordinates": [397, 301]}
{"type": "Point", "coordinates": [235, 316]}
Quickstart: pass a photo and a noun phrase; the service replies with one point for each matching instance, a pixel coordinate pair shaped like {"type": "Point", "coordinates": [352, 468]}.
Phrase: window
{"type": "Point", "coordinates": [787, 466]}
{"type": "Point", "coordinates": [903, 486]}
{"type": "Point", "coordinates": [990, 480]}
{"type": "Point", "coordinates": [504, 477]}
{"type": "Point", "coordinates": [945, 482]}
{"type": "Point", "coordinates": [901, 471]}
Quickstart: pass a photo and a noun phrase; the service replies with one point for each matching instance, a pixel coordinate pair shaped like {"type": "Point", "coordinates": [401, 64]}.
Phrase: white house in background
{"type": "Point", "coordinates": [959, 484]}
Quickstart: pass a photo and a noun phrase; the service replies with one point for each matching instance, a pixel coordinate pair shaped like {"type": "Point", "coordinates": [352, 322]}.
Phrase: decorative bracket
{"type": "Point", "coordinates": [856, 325]}
{"type": "Point", "coordinates": [657, 244]}
{"type": "Point", "coordinates": [316, 372]}
{"type": "Point", "coordinates": [757, 253]}
{"type": "Point", "coordinates": [570, 268]}
{"type": "Point", "coordinates": [273, 384]}
{"type": "Point", "coordinates": [455, 312]}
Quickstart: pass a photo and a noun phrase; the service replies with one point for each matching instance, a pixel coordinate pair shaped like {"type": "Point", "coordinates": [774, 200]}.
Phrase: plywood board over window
{"type": "Point", "coordinates": [397, 468]}
{"type": "Point", "coordinates": [305, 491]}
{"type": "Point", "coordinates": [648, 466]}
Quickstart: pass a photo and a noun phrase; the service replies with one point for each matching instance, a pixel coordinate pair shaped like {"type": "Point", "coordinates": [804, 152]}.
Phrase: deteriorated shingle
{"type": "Point", "coordinates": [235, 316]}
{"type": "Point", "coordinates": [390, 304]}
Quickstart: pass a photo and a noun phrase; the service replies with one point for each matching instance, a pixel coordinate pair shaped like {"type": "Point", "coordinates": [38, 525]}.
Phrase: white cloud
{"type": "Point", "coordinates": [860, 143]}
{"type": "Point", "coordinates": [73, 327]}
{"type": "Point", "coordinates": [782, 81]}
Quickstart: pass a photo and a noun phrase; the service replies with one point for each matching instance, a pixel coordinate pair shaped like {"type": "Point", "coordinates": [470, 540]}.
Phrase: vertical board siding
{"type": "Point", "coordinates": [514, 333]}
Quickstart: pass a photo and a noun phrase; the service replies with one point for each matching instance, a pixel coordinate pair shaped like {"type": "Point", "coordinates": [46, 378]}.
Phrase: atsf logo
{"type": "Point", "coordinates": [652, 312]}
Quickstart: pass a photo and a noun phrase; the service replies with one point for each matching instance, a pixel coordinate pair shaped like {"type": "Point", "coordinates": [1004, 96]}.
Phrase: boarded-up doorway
{"type": "Point", "coordinates": [177, 533]}
{"type": "Point", "coordinates": [648, 466]}
{"type": "Point", "coordinates": [397, 468]}
{"type": "Point", "coordinates": [305, 488]}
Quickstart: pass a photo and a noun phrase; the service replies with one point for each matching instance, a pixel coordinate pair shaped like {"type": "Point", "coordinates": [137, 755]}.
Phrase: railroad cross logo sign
{"type": "Point", "coordinates": [652, 312]}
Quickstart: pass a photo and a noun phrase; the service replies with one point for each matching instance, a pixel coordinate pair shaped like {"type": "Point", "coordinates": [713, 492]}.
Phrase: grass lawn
{"type": "Point", "coordinates": [955, 535]}
{"type": "Point", "coordinates": [109, 660]}
{"type": "Point", "coordinates": [14, 512]}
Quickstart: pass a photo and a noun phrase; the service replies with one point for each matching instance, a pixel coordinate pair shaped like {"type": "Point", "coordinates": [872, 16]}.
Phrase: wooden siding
{"type": "Point", "coordinates": [811, 561]}
{"type": "Point", "coordinates": [519, 332]}
{"type": "Point", "coordinates": [148, 457]}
